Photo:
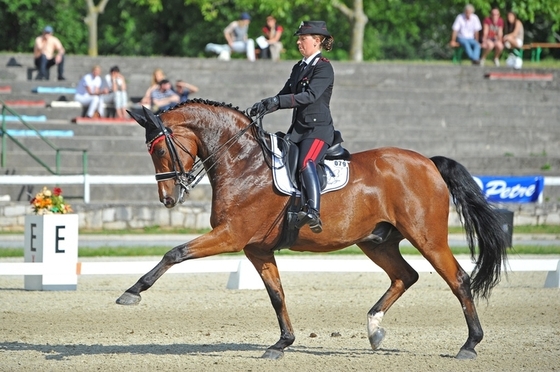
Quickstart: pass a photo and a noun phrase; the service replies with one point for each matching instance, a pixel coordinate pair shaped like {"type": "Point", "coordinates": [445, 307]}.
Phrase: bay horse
{"type": "Point", "coordinates": [401, 191]}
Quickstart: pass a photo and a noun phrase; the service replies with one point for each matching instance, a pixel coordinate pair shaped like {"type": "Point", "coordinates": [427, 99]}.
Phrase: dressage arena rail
{"type": "Point", "coordinates": [244, 276]}
{"type": "Point", "coordinates": [88, 180]}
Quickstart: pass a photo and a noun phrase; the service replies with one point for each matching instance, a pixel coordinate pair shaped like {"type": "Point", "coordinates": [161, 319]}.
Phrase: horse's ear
{"type": "Point", "coordinates": [141, 119]}
{"type": "Point", "coordinates": [155, 120]}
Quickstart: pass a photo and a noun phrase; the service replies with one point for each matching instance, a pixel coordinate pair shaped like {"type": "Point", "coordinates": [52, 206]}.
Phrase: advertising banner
{"type": "Point", "coordinates": [506, 189]}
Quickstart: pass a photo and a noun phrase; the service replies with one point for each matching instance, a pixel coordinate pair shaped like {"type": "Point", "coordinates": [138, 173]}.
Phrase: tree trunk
{"type": "Point", "coordinates": [91, 21]}
{"type": "Point", "coordinates": [358, 31]}
{"type": "Point", "coordinates": [358, 19]}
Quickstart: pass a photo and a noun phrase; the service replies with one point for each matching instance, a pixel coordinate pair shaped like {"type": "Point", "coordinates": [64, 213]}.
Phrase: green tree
{"type": "Point", "coordinates": [21, 21]}
{"type": "Point", "coordinates": [392, 29]}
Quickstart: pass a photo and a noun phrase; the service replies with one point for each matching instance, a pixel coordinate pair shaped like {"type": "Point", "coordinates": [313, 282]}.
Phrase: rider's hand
{"type": "Point", "coordinates": [257, 109]}
{"type": "Point", "coordinates": [271, 104]}
{"type": "Point", "coordinates": [265, 106]}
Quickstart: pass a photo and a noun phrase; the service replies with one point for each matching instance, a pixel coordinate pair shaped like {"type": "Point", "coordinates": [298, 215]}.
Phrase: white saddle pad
{"type": "Point", "coordinates": [337, 172]}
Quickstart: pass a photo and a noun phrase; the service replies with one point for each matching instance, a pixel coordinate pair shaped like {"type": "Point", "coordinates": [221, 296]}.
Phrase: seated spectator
{"type": "Point", "coordinates": [44, 50]}
{"type": "Point", "coordinates": [183, 89]}
{"type": "Point", "coordinates": [117, 85]}
{"type": "Point", "coordinates": [465, 33]}
{"type": "Point", "coordinates": [164, 97]}
{"type": "Point", "coordinates": [272, 45]}
{"type": "Point", "coordinates": [90, 93]}
{"type": "Point", "coordinates": [157, 76]}
{"type": "Point", "coordinates": [492, 34]}
{"type": "Point", "coordinates": [513, 32]}
{"type": "Point", "coordinates": [237, 40]}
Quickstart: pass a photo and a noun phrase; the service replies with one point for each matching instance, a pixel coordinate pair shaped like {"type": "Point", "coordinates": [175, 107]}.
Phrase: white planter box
{"type": "Point", "coordinates": [53, 240]}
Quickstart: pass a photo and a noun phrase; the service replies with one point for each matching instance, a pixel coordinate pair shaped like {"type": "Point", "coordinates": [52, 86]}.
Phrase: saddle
{"type": "Point", "coordinates": [332, 172]}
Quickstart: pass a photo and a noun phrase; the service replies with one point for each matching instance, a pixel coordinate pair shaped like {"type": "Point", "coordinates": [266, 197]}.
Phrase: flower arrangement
{"type": "Point", "coordinates": [50, 202]}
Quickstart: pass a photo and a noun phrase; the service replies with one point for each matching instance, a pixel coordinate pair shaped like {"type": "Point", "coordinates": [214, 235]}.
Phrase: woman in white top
{"type": "Point", "coordinates": [90, 91]}
{"type": "Point", "coordinates": [513, 31]}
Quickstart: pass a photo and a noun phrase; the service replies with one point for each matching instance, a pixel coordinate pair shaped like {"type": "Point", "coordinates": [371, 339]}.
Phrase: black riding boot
{"type": "Point", "coordinates": [312, 190]}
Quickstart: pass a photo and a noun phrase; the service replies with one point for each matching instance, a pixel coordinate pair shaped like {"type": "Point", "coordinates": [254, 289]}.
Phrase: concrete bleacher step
{"type": "Point", "coordinates": [103, 121]}
{"type": "Point", "coordinates": [492, 126]}
{"type": "Point", "coordinates": [24, 103]}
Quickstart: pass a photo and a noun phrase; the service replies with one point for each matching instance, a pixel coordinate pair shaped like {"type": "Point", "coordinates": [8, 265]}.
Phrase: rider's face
{"type": "Point", "coordinates": [308, 45]}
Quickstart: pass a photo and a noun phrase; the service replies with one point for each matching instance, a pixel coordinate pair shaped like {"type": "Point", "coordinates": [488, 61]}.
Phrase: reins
{"type": "Point", "coordinates": [261, 139]}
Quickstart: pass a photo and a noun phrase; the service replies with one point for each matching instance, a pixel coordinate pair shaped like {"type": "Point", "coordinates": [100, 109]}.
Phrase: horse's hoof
{"type": "Point", "coordinates": [466, 354]}
{"type": "Point", "coordinates": [129, 299]}
{"type": "Point", "coordinates": [273, 354]}
{"type": "Point", "coordinates": [376, 337]}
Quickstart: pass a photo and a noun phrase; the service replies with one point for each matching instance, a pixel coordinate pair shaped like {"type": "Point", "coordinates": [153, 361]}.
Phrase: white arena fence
{"type": "Point", "coordinates": [244, 276]}
{"type": "Point", "coordinates": [85, 180]}
{"type": "Point", "coordinates": [88, 180]}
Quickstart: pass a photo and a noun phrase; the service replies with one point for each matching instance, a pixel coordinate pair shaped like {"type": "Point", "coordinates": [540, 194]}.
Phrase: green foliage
{"type": "Point", "coordinates": [397, 29]}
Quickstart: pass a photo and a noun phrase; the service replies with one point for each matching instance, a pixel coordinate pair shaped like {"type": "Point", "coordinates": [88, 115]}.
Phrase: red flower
{"type": "Point", "coordinates": [57, 191]}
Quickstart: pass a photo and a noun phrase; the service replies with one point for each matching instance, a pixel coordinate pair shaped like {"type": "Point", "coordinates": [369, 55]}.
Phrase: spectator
{"type": "Point", "coordinates": [164, 97]}
{"type": "Point", "coordinates": [117, 85]}
{"type": "Point", "coordinates": [90, 92]}
{"type": "Point", "coordinates": [44, 51]}
{"type": "Point", "coordinates": [465, 33]}
{"type": "Point", "coordinates": [492, 34]}
{"type": "Point", "coordinates": [183, 89]}
{"type": "Point", "coordinates": [157, 76]}
{"type": "Point", "coordinates": [513, 30]}
{"type": "Point", "coordinates": [272, 33]}
{"type": "Point", "coordinates": [237, 40]}
{"type": "Point", "coordinates": [513, 39]}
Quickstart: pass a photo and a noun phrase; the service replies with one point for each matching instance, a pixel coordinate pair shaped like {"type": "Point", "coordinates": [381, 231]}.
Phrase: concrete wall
{"type": "Point", "coordinates": [196, 215]}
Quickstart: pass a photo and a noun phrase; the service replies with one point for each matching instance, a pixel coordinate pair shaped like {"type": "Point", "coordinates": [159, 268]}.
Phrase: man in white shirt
{"type": "Point", "coordinates": [91, 92]}
{"type": "Point", "coordinates": [465, 33]}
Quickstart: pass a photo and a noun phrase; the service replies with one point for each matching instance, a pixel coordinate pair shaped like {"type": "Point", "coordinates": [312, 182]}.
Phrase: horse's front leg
{"type": "Point", "coordinates": [215, 242]}
{"type": "Point", "coordinates": [265, 263]}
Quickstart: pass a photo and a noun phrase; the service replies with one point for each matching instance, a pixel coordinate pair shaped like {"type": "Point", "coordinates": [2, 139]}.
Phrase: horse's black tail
{"type": "Point", "coordinates": [481, 222]}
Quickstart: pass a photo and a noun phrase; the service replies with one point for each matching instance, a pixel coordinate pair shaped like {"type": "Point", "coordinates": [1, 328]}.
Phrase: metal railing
{"type": "Point", "coordinates": [6, 135]}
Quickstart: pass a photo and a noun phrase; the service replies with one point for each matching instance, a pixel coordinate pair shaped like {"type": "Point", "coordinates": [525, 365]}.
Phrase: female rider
{"type": "Point", "coordinates": [308, 91]}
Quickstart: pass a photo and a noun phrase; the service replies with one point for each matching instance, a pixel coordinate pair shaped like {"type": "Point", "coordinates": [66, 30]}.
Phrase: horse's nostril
{"type": "Point", "coordinates": [168, 202]}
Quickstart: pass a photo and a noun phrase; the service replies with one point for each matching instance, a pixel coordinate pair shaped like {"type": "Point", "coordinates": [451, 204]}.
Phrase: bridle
{"type": "Point", "coordinates": [188, 179]}
{"type": "Point", "coordinates": [185, 179]}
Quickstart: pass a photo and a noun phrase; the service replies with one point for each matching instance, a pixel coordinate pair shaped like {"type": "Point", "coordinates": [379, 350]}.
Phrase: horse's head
{"type": "Point", "coordinates": [173, 150]}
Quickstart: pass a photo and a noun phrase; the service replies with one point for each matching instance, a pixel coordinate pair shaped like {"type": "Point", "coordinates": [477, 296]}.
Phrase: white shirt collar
{"type": "Point", "coordinates": [308, 60]}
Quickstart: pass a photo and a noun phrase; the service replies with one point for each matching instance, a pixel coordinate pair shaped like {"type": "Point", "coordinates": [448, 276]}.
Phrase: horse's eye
{"type": "Point", "coordinates": [160, 152]}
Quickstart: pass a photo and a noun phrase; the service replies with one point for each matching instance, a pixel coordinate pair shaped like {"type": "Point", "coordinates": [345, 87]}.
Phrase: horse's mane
{"type": "Point", "coordinates": [208, 103]}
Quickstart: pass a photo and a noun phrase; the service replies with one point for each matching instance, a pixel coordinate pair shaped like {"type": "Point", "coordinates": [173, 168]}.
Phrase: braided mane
{"type": "Point", "coordinates": [206, 102]}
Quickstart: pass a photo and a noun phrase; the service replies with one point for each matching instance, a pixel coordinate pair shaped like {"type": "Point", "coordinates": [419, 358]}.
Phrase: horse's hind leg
{"type": "Point", "coordinates": [402, 275]}
{"type": "Point", "coordinates": [443, 261]}
{"type": "Point", "coordinates": [265, 264]}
